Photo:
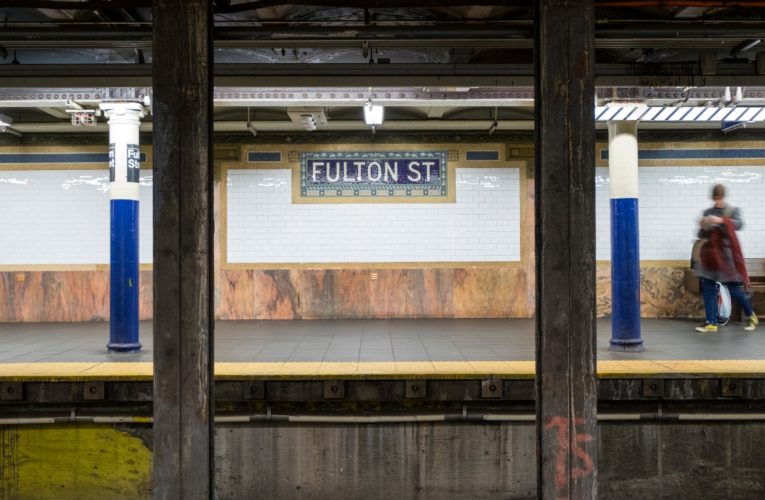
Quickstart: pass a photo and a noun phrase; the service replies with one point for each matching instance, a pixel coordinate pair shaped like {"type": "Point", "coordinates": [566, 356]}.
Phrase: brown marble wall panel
{"type": "Point", "coordinates": [146, 295]}
{"type": "Point", "coordinates": [413, 293]}
{"type": "Point", "coordinates": [237, 294]}
{"type": "Point", "coordinates": [54, 296]}
{"type": "Point", "coordinates": [528, 255]}
{"type": "Point", "coordinates": [49, 296]}
{"type": "Point", "coordinates": [490, 293]}
{"type": "Point", "coordinates": [217, 274]}
{"type": "Point", "coordinates": [603, 289]}
{"type": "Point", "coordinates": [335, 293]}
{"type": "Point", "coordinates": [276, 294]}
{"type": "Point", "coordinates": [662, 294]}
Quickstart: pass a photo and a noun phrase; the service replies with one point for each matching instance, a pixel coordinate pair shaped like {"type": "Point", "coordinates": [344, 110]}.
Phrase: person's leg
{"type": "Point", "coordinates": [738, 294]}
{"type": "Point", "coordinates": [709, 292]}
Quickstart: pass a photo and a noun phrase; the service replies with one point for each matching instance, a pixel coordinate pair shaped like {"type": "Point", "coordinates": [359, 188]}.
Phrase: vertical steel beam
{"type": "Point", "coordinates": [183, 235]}
{"type": "Point", "coordinates": [565, 250]}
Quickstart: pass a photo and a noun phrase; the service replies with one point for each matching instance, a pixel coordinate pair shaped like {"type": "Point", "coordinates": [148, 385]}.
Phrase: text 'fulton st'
{"type": "Point", "coordinates": [365, 171]}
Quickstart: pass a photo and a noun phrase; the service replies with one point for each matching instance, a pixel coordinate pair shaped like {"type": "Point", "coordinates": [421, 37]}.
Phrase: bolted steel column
{"type": "Point", "coordinates": [625, 241]}
{"type": "Point", "coordinates": [183, 250]}
{"type": "Point", "coordinates": [124, 186]}
{"type": "Point", "coordinates": [565, 250]}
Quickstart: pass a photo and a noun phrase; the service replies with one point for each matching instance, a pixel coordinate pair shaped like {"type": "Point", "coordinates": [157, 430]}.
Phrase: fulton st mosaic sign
{"type": "Point", "coordinates": [401, 175]}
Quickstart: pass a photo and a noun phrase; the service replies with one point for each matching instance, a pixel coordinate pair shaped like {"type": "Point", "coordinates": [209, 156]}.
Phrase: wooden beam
{"type": "Point", "coordinates": [565, 250]}
{"type": "Point", "coordinates": [183, 267]}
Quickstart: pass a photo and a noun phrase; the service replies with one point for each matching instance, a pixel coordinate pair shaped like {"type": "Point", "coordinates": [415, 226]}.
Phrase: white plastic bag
{"type": "Point", "coordinates": [723, 304]}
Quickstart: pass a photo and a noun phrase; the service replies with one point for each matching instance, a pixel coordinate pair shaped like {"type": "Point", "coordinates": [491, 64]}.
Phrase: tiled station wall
{"type": "Point", "coordinates": [60, 217]}
{"type": "Point", "coordinates": [265, 226]}
{"type": "Point", "coordinates": [671, 202]}
{"type": "Point", "coordinates": [278, 260]}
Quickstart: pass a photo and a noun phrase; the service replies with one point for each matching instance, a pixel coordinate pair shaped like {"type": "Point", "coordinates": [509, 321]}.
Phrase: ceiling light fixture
{"type": "Point", "coordinates": [373, 114]}
{"type": "Point", "coordinates": [493, 126]}
{"type": "Point", "coordinates": [308, 121]}
{"type": "Point", "coordinates": [250, 126]}
{"type": "Point", "coordinates": [5, 121]}
{"type": "Point", "coordinates": [5, 125]}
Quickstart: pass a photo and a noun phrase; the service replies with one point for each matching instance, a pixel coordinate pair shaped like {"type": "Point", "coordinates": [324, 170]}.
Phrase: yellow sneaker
{"type": "Point", "coordinates": [707, 328]}
{"type": "Point", "coordinates": [752, 323]}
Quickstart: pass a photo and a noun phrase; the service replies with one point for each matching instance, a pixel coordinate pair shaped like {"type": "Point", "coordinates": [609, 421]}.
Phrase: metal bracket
{"type": "Point", "coordinates": [93, 391]}
{"type": "Point", "coordinates": [334, 389]}
{"type": "Point", "coordinates": [732, 388]}
{"type": "Point", "coordinates": [416, 389]}
{"type": "Point", "coordinates": [255, 389]}
{"type": "Point", "coordinates": [11, 391]}
{"type": "Point", "coordinates": [491, 388]}
{"type": "Point", "coordinates": [653, 388]}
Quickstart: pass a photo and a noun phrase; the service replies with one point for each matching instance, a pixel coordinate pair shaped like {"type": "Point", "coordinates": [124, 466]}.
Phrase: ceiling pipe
{"type": "Point", "coordinates": [312, 35]}
{"type": "Point", "coordinates": [358, 125]}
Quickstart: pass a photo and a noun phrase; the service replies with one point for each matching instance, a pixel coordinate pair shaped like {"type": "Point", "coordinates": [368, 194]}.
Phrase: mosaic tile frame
{"type": "Point", "coordinates": [441, 191]}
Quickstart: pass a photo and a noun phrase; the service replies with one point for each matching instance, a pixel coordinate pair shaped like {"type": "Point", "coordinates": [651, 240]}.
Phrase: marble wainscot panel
{"type": "Point", "coordinates": [662, 294]}
{"type": "Point", "coordinates": [412, 293]}
{"type": "Point", "coordinates": [49, 296]}
{"type": "Point", "coordinates": [335, 293]}
{"type": "Point", "coordinates": [374, 293]}
{"type": "Point", "coordinates": [237, 294]}
{"type": "Point", "coordinates": [259, 294]}
{"type": "Point", "coordinates": [276, 294]}
{"type": "Point", "coordinates": [483, 292]}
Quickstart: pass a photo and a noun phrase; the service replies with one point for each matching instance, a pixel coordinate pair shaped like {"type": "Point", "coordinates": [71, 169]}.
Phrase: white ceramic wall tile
{"type": "Point", "coordinates": [62, 217]}
{"type": "Point", "coordinates": [671, 202]}
{"type": "Point", "coordinates": [264, 226]}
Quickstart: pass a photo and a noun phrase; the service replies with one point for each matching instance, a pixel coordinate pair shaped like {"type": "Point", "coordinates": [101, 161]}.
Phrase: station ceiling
{"type": "Point", "coordinates": [432, 64]}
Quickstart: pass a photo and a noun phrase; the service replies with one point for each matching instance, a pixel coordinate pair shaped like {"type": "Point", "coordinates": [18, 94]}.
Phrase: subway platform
{"type": "Point", "coordinates": [388, 349]}
{"type": "Point", "coordinates": [290, 392]}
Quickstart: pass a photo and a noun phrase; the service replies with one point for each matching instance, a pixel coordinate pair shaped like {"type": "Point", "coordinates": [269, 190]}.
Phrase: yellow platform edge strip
{"type": "Point", "coordinates": [381, 370]}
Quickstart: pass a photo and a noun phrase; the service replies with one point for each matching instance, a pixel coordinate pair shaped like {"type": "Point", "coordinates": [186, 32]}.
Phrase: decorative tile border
{"type": "Point", "coordinates": [679, 154]}
{"type": "Point", "coordinates": [63, 158]}
{"type": "Point", "coordinates": [380, 175]}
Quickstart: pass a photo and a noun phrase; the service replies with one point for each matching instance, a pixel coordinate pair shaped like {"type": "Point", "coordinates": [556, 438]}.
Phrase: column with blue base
{"type": "Point", "coordinates": [124, 182]}
{"type": "Point", "coordinates": [625, 243]}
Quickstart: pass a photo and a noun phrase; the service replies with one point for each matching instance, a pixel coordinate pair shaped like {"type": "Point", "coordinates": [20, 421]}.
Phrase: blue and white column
{"type": "Point", "coordinates": [124, 182]}
{"type": "Point", "coordinates": [625, 242]}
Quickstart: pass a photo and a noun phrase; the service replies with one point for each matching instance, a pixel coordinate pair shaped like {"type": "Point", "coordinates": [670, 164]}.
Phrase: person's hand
{"type": "Point", "coordinates": [716, 220]}
{"type": "Point", "coordinates": [710, 221]}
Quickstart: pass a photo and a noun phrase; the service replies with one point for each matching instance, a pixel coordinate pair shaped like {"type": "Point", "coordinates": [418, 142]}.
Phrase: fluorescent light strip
{"type": "Point", "coordinates": [735, 114]}
{"type": "Point", "coordinates": [609, 114]}
{"type": "Point", "coordinates": [622, 114]}
{"type": "Point", "coordinates": [637, 113]}
{"type": "Point", "coordinates": [693, 114]}
{"type": "Point", "coordinates": [707, 114]}
{"type": "Point", "coordinates": [651, 113]}
{"type": "Point", "coordinates": [748, 115]}
{"type": "Point", "coordinates": [721, 114]}
{"type": "Point", "coordinates": [679, 114]}
{"type": "Point", "coordinates": [664, 114]}
{"type": "Point", "coordinates": [760, 116]}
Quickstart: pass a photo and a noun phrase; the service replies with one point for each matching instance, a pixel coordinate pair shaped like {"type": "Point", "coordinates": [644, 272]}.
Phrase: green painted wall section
{"type": "Point", "coordinates": [73, 461]}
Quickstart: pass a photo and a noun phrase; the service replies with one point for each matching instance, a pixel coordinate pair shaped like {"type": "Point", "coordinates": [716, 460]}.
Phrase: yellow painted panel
{"type": "Point", "coordinates": [73, 462]}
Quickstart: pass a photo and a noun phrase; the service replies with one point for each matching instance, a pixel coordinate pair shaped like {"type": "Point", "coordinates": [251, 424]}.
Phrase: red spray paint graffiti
{"type": "Point", "coordinates": [585, 466]}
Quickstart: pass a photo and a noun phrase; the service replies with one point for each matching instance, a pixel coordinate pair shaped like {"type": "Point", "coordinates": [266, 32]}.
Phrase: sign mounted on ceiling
{"type": "Point", "coordinates": [377, 176]}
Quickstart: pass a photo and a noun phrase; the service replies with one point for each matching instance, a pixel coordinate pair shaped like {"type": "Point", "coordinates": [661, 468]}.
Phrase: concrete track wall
{"type": "Point", "coordinates": [658, 460]}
